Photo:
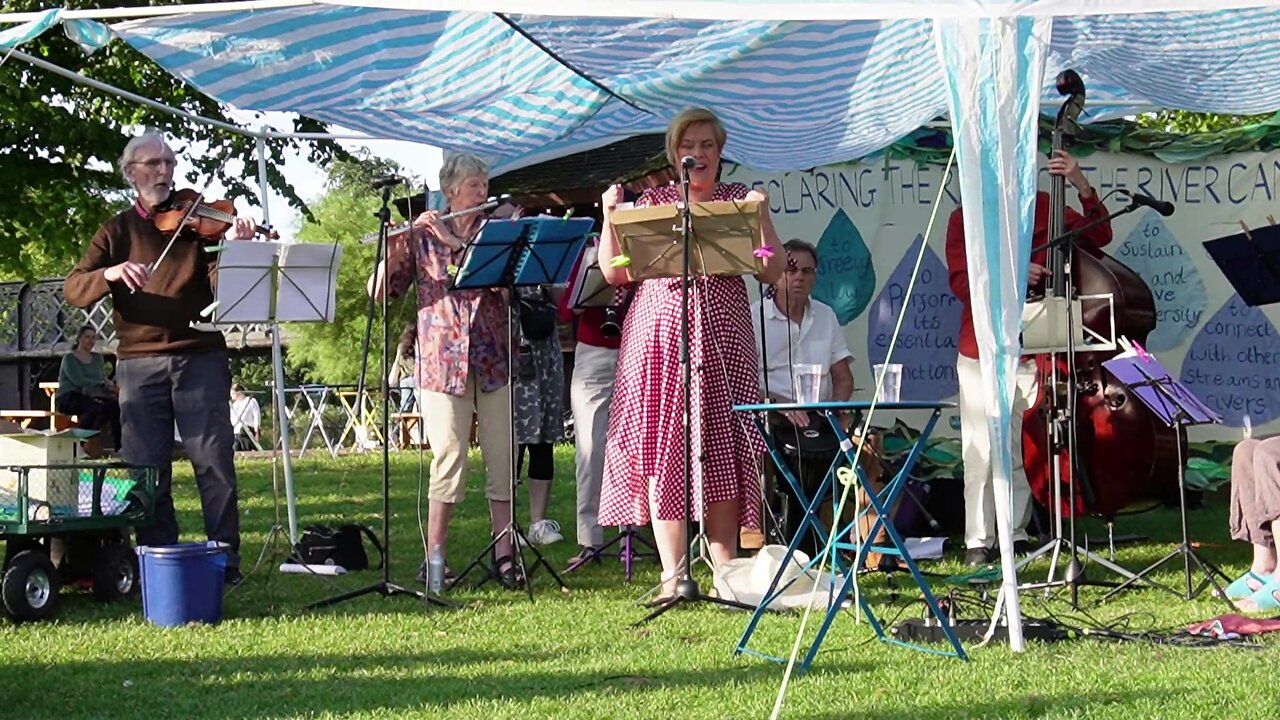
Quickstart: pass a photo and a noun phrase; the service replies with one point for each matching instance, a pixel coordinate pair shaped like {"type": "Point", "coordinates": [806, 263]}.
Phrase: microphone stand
{"type": "Point", "coordinates": [385, 587]}
{"type": "Point", "coordinates": [687, 590]}
{"type": "Point", "coordinates": [1060, 424]}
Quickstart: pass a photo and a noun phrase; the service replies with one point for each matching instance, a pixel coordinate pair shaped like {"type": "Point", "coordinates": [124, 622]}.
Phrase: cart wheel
{"type": "Point", "coordinates": [115, 573]}
{"type": "Point", "coordinates": [30, 586]}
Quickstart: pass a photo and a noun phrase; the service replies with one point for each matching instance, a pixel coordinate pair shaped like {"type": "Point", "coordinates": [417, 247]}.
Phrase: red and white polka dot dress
{"type": "Point", "coordinates": [646, 420]}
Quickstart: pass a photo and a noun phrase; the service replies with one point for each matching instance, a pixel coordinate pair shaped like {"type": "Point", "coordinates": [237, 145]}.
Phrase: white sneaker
{"type": "Point", "coordinates": [545, 532]}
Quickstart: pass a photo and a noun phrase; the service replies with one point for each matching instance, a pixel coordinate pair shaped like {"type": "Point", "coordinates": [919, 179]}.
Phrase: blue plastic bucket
{"type": "Point", "coordinates": [182, 583]}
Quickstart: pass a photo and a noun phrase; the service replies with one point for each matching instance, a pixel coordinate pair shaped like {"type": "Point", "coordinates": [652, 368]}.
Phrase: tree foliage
{"type": "Point", "coordinates": [1185, 122]}
{"type": "Point", "coordinates": [59, 142]}
{"type": "Point", "coordinates": [330, 352]}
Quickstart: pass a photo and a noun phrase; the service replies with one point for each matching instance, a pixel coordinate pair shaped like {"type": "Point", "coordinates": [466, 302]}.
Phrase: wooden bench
{"type": "Point", "coordinates": [407, 421]}
{"type": "Point", "coordinates": [57, 421]}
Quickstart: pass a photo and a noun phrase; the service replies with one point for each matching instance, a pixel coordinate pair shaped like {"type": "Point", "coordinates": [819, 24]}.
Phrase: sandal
{"type": "Point", "coordinates": [1240, 589]}
{"type": "Point", "coordinates": [587, 554]}
{"type": "Point", "coordinates": [507, 573]}
{"type": "Point", "coordinates": [1266, 599]}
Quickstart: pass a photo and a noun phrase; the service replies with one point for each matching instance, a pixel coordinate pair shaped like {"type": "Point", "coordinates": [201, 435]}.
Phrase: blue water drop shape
{"type": "Point", "coordinates": [1232, 364]}
{"type": "Point", "coordinates": [846, 276]}
{"type": "Point", "coordinates": [926, 346]}
{"type": "Point", "coordinates": [1153, 251]}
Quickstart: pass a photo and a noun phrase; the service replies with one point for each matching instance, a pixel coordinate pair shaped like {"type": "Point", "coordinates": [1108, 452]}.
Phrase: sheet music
{"type": "Point", "coordinates": [589, 287]}
{"type": "Point", "coordinates": [296, 280]}
{"type": "Point", "coordinates": [244, 288]}
{"type": "Point", "coordinates": [308, 282]}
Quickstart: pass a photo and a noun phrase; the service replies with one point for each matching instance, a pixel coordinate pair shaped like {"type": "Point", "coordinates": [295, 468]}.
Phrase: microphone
{"type": "Point", "coordinates": [1161, 206]}
{"type": "Point", "coordinates": [383, 181]}
{"type": "Point", "coordinates": [687, 162]}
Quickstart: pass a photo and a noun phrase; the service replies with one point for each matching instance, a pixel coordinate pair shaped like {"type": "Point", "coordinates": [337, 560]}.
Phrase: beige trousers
{"type": "Point", "coordinates": [446, 420]}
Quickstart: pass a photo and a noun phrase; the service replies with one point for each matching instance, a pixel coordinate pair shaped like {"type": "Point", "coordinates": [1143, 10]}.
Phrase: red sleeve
{"type": "Point", "coordinates": [957, 263]}
{"type": "Point", "coordinates": [1097, 236]}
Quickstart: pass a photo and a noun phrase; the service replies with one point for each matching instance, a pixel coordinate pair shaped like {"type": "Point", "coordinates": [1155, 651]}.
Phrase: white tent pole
{"type": "Point", "coordinates": [265, 133]}
{"type": "Point", "coordinates": [57, 70]}
{"type": "Point", "coordinates": [277, 367]}
{"type": "Point", "coordinates": [119, 13]}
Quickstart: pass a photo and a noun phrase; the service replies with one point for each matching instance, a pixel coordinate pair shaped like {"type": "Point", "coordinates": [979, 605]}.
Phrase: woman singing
{"type": "Point", "coordinates": [644, 459]}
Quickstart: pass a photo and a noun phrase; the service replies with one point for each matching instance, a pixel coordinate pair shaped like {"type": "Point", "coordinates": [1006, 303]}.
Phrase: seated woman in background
{"type": "Point", "coordinates": [1255, 518]}
{"type": "Point", "coordinates": [85, 391]}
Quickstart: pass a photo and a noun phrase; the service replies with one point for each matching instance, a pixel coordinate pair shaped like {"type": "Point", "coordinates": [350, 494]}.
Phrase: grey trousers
{"type": "Point", "coordinates": [193, 391]}
{"type": "Point", "coordinates": [590, 393]}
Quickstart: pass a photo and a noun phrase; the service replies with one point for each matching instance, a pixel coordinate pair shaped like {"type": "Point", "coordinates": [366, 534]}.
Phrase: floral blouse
{"type": "Point", "coordinates": [459, 331]}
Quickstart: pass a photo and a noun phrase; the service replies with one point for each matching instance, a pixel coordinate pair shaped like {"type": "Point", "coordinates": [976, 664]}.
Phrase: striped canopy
{"type": "Point", "coordinates": [518, 88]}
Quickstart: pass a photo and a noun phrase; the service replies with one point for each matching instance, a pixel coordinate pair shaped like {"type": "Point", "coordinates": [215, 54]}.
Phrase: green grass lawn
{"type": "Point", "coordinates": [575, 655]}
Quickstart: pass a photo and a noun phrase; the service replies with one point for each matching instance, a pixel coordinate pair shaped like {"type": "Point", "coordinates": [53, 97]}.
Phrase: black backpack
{"type": "Point", "coordinates": [344, 546]}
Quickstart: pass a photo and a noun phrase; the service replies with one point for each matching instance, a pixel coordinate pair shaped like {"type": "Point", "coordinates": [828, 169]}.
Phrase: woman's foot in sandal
{"type": "Point", "coordinates": [1246, 585]}
{"type": "Point", "coordinates": [507, 573]}
{"type": "Point", "coordinates": [1266, 599]}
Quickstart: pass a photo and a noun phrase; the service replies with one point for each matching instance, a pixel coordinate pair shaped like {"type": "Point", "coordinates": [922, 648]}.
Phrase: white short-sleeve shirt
{"type": "Point", "coordinates": [245, 412]}
{"type": "Point", "coordinates": [818, 339]}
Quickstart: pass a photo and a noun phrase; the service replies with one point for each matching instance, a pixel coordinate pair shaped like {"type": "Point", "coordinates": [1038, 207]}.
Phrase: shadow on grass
{"type": "Point", "coordinates": [1031, 706]}
{"type": "Point", "coordinates": [221, 688]}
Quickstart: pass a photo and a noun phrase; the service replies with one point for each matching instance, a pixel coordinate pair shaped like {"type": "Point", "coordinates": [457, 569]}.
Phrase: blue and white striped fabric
{"type": "Point", "coordinates": [89, 35]}
{"type": "Point", "coordinates": [996, 129]}
{"type": "Point", "coordinates": [521, 89]}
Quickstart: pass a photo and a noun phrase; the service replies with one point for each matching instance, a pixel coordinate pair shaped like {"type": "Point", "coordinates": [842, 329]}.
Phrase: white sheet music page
{"type": "Point", "coordinates": [244, 287]}
{"type": "Point", "coordinates": [308, 281]}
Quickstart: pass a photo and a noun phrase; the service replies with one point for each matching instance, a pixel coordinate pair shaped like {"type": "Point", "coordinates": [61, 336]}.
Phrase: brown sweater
{"type": "Point", "coordinates": [157, 319]}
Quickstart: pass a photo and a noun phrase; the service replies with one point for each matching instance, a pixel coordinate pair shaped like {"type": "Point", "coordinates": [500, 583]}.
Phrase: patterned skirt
{"type": "Point", "coordinates": [646, 420]}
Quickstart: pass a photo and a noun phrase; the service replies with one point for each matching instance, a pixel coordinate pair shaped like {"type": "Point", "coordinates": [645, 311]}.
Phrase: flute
{"type": "Point", "coordinates": [489, 204]}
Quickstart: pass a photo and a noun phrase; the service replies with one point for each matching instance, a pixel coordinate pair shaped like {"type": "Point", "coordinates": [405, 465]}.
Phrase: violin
{"type": "Point", "coordinates": [208, 219]}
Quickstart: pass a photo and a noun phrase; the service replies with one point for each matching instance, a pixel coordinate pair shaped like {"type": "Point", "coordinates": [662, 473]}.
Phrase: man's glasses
{"type": "Point", "coordinates": [807, 271]}
{"type": "Point", "coordinates": [155, 163]}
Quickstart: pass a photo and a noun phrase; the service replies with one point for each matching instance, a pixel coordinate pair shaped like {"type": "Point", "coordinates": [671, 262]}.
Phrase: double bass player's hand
{"type": "Point", "coordinates": [1062, 163]}
{"type": "Point", "coordinates": [1036, 274]}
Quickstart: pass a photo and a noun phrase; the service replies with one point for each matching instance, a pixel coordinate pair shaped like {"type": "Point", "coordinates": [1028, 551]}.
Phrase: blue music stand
{"type": "Point", "coordinates": [880, 502]}
{"type": "Point", "coordinates": [505, 255]}
{"type": "Point", "coordinates": [1178, 408]}
{"type": "Point", "coordinates": [521, 253]}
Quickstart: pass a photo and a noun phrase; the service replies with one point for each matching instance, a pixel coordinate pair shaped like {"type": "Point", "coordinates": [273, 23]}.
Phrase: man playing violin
{"type": "Point", "coordinates": [168, 371]}
{"type": "Point", "coordinates": [979, 497]}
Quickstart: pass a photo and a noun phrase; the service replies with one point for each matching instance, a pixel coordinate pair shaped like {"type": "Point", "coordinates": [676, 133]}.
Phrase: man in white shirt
{"type": "Point", "coordinates": [800, 330]}
{"type": "Point", "coordinates": [246, 418]}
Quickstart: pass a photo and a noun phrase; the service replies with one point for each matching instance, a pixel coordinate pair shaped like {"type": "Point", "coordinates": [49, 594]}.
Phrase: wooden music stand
{"type": "Point", "coordinates": [726, 235]}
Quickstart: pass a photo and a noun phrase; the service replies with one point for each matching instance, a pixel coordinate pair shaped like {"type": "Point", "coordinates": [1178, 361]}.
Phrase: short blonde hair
{"type": "Point", "coordinates": [681, 123]}
{"type": "Point", "coordinates": [460, 166]}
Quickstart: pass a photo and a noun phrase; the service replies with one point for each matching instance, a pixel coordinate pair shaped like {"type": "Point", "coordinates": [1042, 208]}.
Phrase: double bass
{"type": "Point", "coordinates": [1123, 455]}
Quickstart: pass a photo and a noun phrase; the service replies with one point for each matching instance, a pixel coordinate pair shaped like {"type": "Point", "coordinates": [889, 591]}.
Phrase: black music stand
{"type": "Point", "coordinates": [384, 587]}
{"type": "Point", "coordinates": [1178, 408]}
{"type": "Point", "coordinates": [1250, 260]}
{"type": "Point", "coordinates": [505, 255]}
{"type": "Point", "coordinates": [589, 289]}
